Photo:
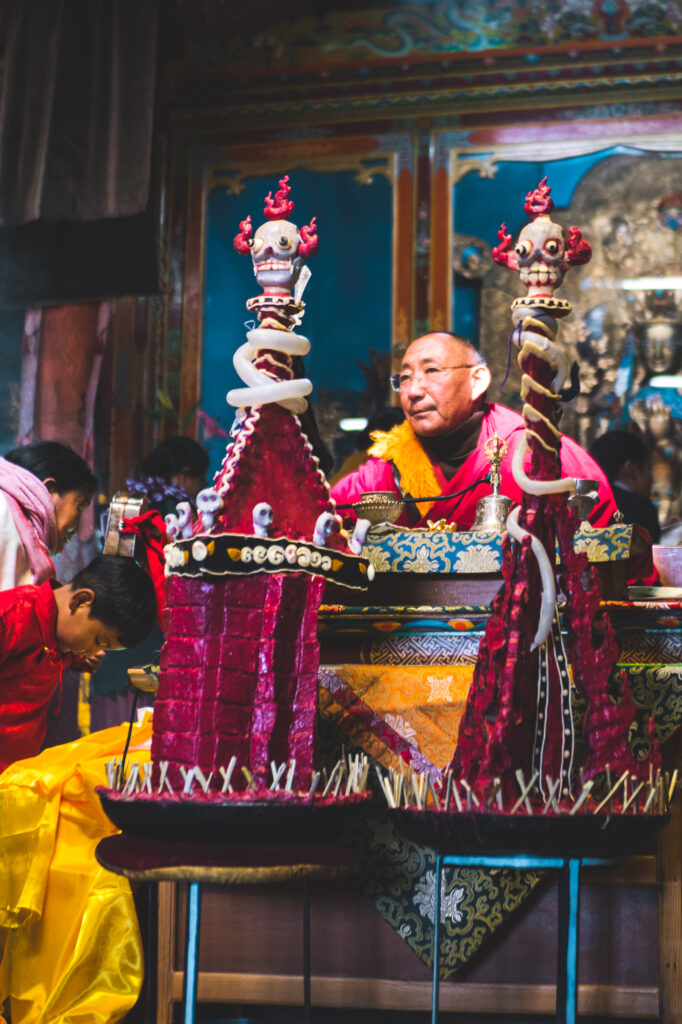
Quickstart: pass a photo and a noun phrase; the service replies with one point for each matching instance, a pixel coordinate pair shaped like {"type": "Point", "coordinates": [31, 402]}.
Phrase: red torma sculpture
{"type": "Point", "coordinates": [238, 674]}
{"type": "Point", "coordinates": [519, 709]}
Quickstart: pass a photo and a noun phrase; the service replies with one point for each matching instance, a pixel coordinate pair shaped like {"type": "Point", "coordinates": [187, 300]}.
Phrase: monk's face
{"type": "Point", "coordinates": [441, 388]}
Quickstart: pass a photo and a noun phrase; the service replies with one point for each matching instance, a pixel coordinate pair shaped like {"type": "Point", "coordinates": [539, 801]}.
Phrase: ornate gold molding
{"type": "Point", "coordinates": [365, 169]}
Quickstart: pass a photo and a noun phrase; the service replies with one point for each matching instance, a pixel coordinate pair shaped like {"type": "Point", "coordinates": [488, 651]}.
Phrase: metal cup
{"type": "Point", "coordinates": [584, 498]}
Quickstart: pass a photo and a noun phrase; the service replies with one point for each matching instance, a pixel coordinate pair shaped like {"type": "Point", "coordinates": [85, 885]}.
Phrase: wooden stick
{"type": "Point", "coordinates": [633, 796]}
{"type": "Point", "coordinates": [314, 783]}
{"type": "Point", "coordinates": [290, 775]}
{"type": "Point", "coordinates": [132, 778]}
{"type": "Point", "coordinates": [614, 789]}
{"type": "Point", "coordinates": [277, 774]}
{"type": "Point", "coordinates": [650, 799]}
{"type": "Point", "coordinates": [448, 790]}
{"type": "Point", "coordinates": [386, 789]}
{"type": "Point", "coordinates": [339, 780]}
{"type": "Point", "coordinates": [455, 791]}
{"type": "Point", "coordinates": [525, 790]}
{"type": "Point", "coordinates": [163, 777]}
{"type": "Point", "coordinates": [398, 781]}
{"type": "Point", "coordinates": [188, 778]}
{"type": "Point", "coordinates": [671, 788]}
{"type": "Point", "coordinates": [470, 794]}
{"type": "Point", "coordinates": [553, 788]}
{"type": "Point", "coordinates": [587, 789]}
{"type": "Point", "coordinates": [203, 781]}
{"type": "Point", "coordinates": [493, 791]}
{"type": "Point", "coordinates": [227, 775]}
{"type": "Point", "coordinates": [416, 789]}
{"type": "Point", "coordinates": [331, 778]}
{"type": "Point", "coordinates": [432, 790]}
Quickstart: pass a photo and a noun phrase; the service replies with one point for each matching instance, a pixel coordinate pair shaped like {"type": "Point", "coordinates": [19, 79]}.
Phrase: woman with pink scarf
{"type": "Point", "coordinates": [44, 488]}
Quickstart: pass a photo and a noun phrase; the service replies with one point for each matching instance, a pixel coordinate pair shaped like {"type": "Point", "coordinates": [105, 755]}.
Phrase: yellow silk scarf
{"type": "Point", "coordinates": [401, 447]}
{"type": "Point", "coordinates": [72, 947]}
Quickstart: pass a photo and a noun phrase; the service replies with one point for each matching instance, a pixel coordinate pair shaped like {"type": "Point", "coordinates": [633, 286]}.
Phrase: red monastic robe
{"type": "Point", "coordinates": [378, 474]}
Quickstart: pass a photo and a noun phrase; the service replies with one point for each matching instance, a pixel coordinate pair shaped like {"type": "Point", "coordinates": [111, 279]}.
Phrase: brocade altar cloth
{"type": "Point", "coordinates": [400, 695]}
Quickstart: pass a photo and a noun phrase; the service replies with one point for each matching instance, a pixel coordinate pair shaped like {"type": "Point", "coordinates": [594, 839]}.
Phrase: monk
{"type": "Point", "coordinates": [439, 449]}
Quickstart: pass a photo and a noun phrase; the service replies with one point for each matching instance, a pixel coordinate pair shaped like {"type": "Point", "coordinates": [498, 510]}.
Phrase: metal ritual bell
{"type": "Point", "coordinates": [491, 513]}
{"type": "Point", "coordinates": [493, 509]}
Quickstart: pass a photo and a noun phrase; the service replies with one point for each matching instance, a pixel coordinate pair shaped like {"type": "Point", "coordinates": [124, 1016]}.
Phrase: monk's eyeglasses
{"type": "Point", "coordinates": [429, 375]}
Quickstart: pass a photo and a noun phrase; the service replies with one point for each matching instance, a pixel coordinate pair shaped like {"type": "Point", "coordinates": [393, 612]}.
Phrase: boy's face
{"type": "Point", "coordinates": [68, 509]}
{"type": "Point", "coordinates": [80, 634]}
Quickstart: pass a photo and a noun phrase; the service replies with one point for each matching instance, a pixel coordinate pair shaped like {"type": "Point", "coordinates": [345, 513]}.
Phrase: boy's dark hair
{"type": "Point", "coordinates": [125, 599]}
{"type": "Point", "coordinates": [175, 455]}
{"type": "Point", "coordinates": [52, 459]}
{"type": "Point", "coordinates": [616, 447]}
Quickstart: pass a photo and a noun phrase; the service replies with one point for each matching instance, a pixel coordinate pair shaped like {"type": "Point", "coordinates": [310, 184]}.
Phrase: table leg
{"type": "Point", "coordinates": [192, 952]}
{"type": "Point", "coordinates": [149, 906]}
{"type": "Point", "coordinates": [306, 951]}
{"type": "Point", "coordinates": [436, 941]}
{"type": "Point", "coordinates": [567, 942]}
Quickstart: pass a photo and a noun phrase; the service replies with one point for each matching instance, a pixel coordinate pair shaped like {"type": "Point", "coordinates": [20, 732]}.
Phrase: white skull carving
{"type": "Point", "coordinates": [172, 525]}
{"type": "Point", "coordinates": [184, 514]}
{"type": "Point", "coordinates": [262, 519]}
{"type": "Point", "coordinates": [274, 251]}
{"type": "Point", "coordinates": [359, 536]}
{"type": "Point", "coordinates": [540, 252]}
{"type": "Point", "coordinates": [324, 527]}
{"type": "Point", "coordinates": [209, 504]}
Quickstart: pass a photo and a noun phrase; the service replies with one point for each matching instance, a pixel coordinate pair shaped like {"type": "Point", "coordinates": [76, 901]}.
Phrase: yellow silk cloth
{"type": "Point", "coordinates": [421, 705]}
{"type": "Point", "coordinates": [72, 947]}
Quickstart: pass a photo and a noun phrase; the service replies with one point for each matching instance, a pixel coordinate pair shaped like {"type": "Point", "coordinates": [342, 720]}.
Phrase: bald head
{"type": "Point", "coordinates": [444, 380]}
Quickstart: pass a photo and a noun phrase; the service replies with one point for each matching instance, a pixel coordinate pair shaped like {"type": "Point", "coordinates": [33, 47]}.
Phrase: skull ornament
{"type": "Point", "coordinates": [544, 250]}
{"type": "Point", "coordinates": [183, 512]}
{"type": "Point", "coordinates": [359, 536]}
{"type": "Point", "coordinates": [262, 519]}
{"type": "Point", "coordinates": [274, 254]}
{"type": "Point", "coordinates": [539, 255]}
{"type": "Point", "coordinates": [209, 504]}
{"type": "Point", "coordinates": [278, 247]}
{"type": "Point", "coordinates": [172, 525]}
{"type": "Point", "coordinates": [324, 527]}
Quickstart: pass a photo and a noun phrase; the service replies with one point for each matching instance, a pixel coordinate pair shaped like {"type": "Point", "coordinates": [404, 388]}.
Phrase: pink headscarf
{"type": "Point", "coordinates": [33, 513]}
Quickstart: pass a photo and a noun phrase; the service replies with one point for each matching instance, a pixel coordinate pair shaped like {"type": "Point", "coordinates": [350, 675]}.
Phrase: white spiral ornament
{"type": "Point", "coordinates": [547, 581]}
{"type": "Point", "coordinates": [261, 388]}
{"type": "Point", "coordinates": [541, 345]}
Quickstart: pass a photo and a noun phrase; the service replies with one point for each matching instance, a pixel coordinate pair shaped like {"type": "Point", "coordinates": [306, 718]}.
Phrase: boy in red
{"type": "Point", "coordinates": [109, 605]}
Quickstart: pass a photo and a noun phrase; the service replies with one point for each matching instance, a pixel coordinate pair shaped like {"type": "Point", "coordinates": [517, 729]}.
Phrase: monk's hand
{"type": "Point", "coordinates": [94, 661]}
